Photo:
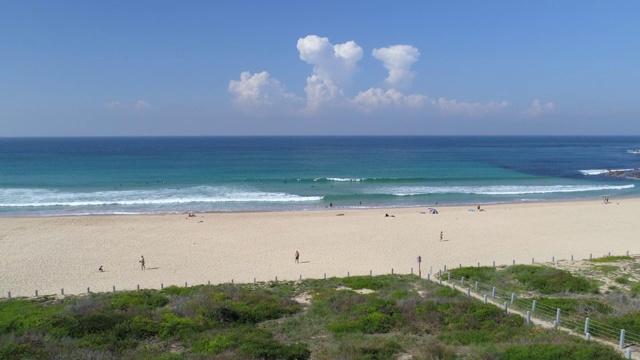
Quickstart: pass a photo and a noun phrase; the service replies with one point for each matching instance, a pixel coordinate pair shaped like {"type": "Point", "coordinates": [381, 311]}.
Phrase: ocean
{"type": "Point", "coordinates": [151, 175]}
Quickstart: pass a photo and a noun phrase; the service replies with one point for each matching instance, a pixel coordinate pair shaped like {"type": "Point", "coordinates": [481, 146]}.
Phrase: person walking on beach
{"type": "Point", "coordinates": [441, 235]}
{"type": "Point", "coordinates": [297, 257]}
{"type": "Point", "coordinates": [142, 262]}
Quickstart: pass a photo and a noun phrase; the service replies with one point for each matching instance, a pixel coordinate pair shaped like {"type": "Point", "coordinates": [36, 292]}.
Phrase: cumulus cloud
{"type": "Point", "coordinates": [538, 109]}
{"type": "Point", "coordinates": [113, 104]}
{"type": "Point", "coordinates": [333, 68]}
{"type": "Point", "coordinates": [257, 89]}
{"type": "Point", "coordinates": [398, 60]}
{"type": "Point", "coordinates": [335, 63]}
{"type": "Point", "coordinates": [139, 105]}
{"type": "Point", "coordinates": [320, 91]}
{"type": "Point", "coordinates": [376, 97]}
{"type": "Point", "coordinates": [453, 107]}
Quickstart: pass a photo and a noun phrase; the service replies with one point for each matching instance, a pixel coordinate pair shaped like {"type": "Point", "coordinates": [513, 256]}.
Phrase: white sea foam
{"type": "Point", "coordinates": [503, 189]}
{"type": "Point", "coordinates": [634, 151]}
{"type": "Point", "coordinates": [202, 194]}
{"type": "Point", "coordinates": [345, 179]}
{"type": "Point", "coordinates": [600, 171]}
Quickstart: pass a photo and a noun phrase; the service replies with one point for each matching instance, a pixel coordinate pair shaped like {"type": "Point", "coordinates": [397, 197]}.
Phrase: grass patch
{"type": "Point", "coordinates": [629, 322]}
{"type": "Point", "coordinates": [635, 289]}
{"type": "Point", "coordinates": [481, 274]}
{"type": "Point", "coordinates": [548, 280]}
{"type": "Point", "coordinates": [559, 351]}
{"type": "Point", "coordinates": [606, 269]}
{"type": "Point", "coordinates": [623, 280]}
{"type": "Point", "coordinates": [609, 259]}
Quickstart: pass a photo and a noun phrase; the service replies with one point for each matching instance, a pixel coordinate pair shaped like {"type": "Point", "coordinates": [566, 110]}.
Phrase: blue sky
{"type": "Point", "coordinates": [147, 68]}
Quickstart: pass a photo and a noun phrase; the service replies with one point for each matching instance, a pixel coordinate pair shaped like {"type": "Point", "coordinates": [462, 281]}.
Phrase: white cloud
{"type": "Point", "coordinates": [333, 68]}
{"type": "Point", "coordinates": [335, 63]}
{"type": "Point", "coordinates": [453, 107]}
{"type": "Point", "coordinates": [376, 97]}
{"type": "Point", "coordinates": [141, 104]}
{"type": "Point", "coordinates": [257, 89]}
{"type": "Point", "coordinates": [114, 104]}
{"type": "Point", "coordinates": [538, 109]}
{"type": "Point", "coordinates": [320, 91]}
{"type": "Point", "coordinates": [398, 60]}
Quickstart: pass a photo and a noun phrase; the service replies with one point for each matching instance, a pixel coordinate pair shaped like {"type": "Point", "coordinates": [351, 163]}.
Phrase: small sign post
{"type": "Point", "coordinates": [419, 269]}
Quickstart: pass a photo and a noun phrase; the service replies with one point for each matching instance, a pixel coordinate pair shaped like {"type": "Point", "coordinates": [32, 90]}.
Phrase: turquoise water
{"type": "Point", "coordinates": [78, 176]}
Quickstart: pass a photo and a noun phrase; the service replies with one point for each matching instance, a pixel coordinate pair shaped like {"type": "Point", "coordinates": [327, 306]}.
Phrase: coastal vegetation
{"type": "Point", "coordinates": [365, 317]}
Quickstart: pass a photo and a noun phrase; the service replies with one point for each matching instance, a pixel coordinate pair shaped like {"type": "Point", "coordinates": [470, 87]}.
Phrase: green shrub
{"type": "Point", "coordinates": [254, 309]}
{"type": "Point", "coordinates": [95, 323]}
{"type": "Point", "coordinates": [181, 291]}
{"type": "Point", "coordinates": [624, 280]}
{"type": "Point", "coordinates": [15, 351]}
{"type": "Point", "coordinates": [373, 349]}
{"type": "Point", "coordinates": [560, 351]}
{"type": "Point", "coordinates": [372, 323]}
{"type": "Point", "coordinates": [610, 259]}
{"type": "Point", "coordinates": [260, 345]}
{"type": "Point", "coordinates": [172, 326]}
{"type": "Point", "coordinates": [374, 282]}
{"type": "Point", "coordinates": [606, 269]}
{"type": "Point", "coordinates": [146, 299]}
{"type": "Point", "coordinates": [437, 350]}
{"type": "Point", "coordinates": [629, 322]}
{"type": "Point", "coordinates": [481, 274]}
{"type": "Point", "coordinates": [19, 315]}
{"type": "Point", "coordinates": [472, 322]}
{"type": "Point", "coordinates": [105, 341]}
{"type": "Point", "coordinates": [400, 294]}
{"type": "Point", "coordinates": [572, 307]}
{"type": "Point", "coordinates": [138, 328]}
{"type": "Point", "coordinates": [85, 305]}
{"type": "Point", "coordinates": [215, 345]}
{"type": "Point", "coordinates": [447, 292]}
{"type": "Point", "coordinates": [549, 280]}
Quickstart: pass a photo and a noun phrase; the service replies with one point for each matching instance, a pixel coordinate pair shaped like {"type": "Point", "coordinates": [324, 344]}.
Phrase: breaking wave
{"type": "Point", "coordinates": [504, 189]}
{"type": "Point", "coordinates": [202, 194]}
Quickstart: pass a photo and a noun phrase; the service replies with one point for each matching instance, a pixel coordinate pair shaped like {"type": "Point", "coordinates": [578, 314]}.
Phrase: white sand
{"type": "Point", "coordinates": [47, 254]}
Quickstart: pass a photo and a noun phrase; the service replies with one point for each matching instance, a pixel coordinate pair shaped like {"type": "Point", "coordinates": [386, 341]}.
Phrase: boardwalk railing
{"type": "Point", "coordinates": [531, 308]}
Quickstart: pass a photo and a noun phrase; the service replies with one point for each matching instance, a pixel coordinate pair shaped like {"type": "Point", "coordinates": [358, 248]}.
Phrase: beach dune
{"type": "Point", "coordinates": [53, 253]}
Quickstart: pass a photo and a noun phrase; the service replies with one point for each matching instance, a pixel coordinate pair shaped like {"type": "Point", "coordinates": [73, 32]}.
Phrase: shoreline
{"type": "Point", "coordinates": [51, 253]}
{"type": "Point", "coordinates": [327, 208]}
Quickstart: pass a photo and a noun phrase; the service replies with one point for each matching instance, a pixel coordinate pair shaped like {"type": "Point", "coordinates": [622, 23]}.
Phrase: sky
{"type": "Point", "coordinates": [160, 68]}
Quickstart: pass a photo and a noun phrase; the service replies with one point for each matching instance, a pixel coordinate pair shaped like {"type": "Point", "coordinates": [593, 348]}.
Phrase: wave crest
{"type": "Point", "coordinates": [204, 194]}
{"type": "Point", "coordinates": [505, 189]}
{"type": "Point", "coordinates": [601, 171]}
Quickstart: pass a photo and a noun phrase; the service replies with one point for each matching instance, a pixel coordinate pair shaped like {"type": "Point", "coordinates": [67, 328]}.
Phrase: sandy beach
{"type": "Point", "coordinates": [54, 253]}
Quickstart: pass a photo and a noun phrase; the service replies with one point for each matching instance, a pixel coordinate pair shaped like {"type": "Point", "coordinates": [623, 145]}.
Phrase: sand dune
{"type": "Point", "coordinates": [48, 254]}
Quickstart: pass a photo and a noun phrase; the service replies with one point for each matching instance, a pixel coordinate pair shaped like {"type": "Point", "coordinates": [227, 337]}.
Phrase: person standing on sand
{"type": "Point", "coordinates": [297, 257]}
{"type": "Point", "coordinates": [142, 262]}
{"type": "Point", "coordinates": [441, 235]}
